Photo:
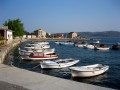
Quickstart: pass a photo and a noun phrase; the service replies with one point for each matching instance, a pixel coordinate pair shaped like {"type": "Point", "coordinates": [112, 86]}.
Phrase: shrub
{"type": "Point", "coordinates": [2, 38]}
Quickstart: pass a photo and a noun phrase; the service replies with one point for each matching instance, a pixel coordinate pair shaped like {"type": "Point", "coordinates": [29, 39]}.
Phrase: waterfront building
{"type": "Point", "coordinates": [59, 35]}
{"type": "Point", "coordinates": [6, 33]}
{"type": "Point", "coordinates": [29, 36]}
{"type": "Point", "coordinates": [33, 36]}
{"type": "Point", "coordinates": [40, 33]}
{"type": "Point", "coordinates": [72, 35]}
{"type": "Point", "coordinates": [24, 37]}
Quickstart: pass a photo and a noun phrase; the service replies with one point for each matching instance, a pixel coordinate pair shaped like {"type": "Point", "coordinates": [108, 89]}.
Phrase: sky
{"type": "Point", "coordinates": [61, 16]}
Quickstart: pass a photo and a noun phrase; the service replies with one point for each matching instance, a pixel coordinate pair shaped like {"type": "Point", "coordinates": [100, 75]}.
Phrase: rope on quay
{"type": "Point", "coordinates": [35, 66]}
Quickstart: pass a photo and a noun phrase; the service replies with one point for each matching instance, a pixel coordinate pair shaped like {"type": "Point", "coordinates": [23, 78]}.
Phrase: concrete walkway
{"type": "Point", "coordinates": [36, 81]}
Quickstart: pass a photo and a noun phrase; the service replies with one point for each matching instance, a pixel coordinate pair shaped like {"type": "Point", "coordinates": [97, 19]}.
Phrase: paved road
{"type": "Point", "coordinates": [8, 86]}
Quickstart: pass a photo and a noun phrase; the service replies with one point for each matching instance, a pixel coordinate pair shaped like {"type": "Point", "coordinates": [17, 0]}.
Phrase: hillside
{"type": "Point", "coordinates": [104, 34]}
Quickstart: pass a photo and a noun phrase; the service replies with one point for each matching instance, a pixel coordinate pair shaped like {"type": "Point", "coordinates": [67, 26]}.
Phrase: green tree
{"type": "Point", "coordinates": [16, 26]}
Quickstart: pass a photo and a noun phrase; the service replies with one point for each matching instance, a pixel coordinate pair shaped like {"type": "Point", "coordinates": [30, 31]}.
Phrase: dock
{"type": "Point", "coordinates": [37, 81]}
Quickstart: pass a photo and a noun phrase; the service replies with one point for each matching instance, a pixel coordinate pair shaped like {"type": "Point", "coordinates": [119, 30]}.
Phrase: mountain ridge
{"type": "Point", "coordinates": [102, 34]}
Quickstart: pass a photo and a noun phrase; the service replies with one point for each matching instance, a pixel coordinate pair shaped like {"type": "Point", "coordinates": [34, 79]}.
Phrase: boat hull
{"type": "Point", "coordinates": [81, 45]}
{"type": "Point", "coordinates": [100, 48]}
{"type": "Point", "coordinates": [89, 47]}
{"type": "Point", "coordinates": [91, 73]}
{"type": "Point", "coordinates": [56, 65]}
{"type": "Point", "coordinates": [45, 51]}
{"type": "Point", "coordinates": [39, 58]}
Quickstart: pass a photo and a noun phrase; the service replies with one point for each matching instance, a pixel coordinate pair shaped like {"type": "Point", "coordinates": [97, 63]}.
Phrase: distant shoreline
{"type": "Point", "coordinates": [102, 37]}
{"type": "Point", "coordinates": [57, 39]}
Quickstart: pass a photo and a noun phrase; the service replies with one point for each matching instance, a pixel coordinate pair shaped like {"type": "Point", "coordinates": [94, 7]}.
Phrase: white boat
{"type": "Point", "coordinates": [66, 43]}
{"type": "Point", "coordinates": [89, 46]}
{"type": "Point", "coordinates": [60, 63]}
{"type": "Point", "coordinates": [57, 42]}
{"type": "Point", "coordinates": [27, 51]}
{"type": "Point", "coordinates": [102, 48]}
{"type": "Point", "coordinates": [97, 42]}
{"type": "Point", "coordinates": [41, 43]}
{"type": "Point", "coordinates": [39, 56]}
{"type": "Point", "coordinates": [88, 71]}
{"type": "Point", "coordinates": [37, 46]}
{"type": "Point", "coordinates": [82, 44]}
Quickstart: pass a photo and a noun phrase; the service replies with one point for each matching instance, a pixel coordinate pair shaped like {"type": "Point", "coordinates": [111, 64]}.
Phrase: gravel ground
{"type": "Point", "coordinates": [8, 86]}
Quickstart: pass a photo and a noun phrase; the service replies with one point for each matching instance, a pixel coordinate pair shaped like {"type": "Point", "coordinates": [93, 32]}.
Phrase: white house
{"type": "Point", "coordinates": [40, 33]}
{"type": "Point", "coordinates": [72, 35]}
{"type": "Point", "coordinates": [6, 33]}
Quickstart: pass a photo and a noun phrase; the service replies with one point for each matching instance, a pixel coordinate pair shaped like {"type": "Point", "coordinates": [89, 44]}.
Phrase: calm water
{"type": "Point", "coordinates": [110, 79]}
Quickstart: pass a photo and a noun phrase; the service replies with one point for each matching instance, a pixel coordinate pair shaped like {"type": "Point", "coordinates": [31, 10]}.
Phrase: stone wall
{"type": "Point", "coordinates": [6, 48]}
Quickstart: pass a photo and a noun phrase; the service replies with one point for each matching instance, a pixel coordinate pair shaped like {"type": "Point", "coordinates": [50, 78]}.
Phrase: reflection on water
{"type": "Point", "coordinates": [95, 79]}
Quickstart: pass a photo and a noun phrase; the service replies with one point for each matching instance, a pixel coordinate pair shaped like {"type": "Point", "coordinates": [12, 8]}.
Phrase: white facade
{"type": "Point", "coordinates": [29, 36]}
{"type": "Point", "coordinates": [6, 33]}
{"type": "Point", "coordinates": [72, 35]}
{"type": "Point", "coordinates": [9, 35]}
{"type": "Point", "coordinates": [24, 36]}
{"type": "Point", "coordinates": [40, 33]}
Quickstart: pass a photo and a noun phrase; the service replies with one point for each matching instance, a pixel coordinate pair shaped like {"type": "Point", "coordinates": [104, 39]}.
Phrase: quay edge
{"type": "Point", "coordinates": [37, 81]}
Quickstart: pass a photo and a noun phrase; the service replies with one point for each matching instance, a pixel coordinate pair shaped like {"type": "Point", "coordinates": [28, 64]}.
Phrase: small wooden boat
{"type": "Point", "coordinates": [37, 46]}
{"type": "Point", "coordinates": [56, 42]}
{"type": "Point", "coordinates": [102, 47]}
{"type": "Point", "coordinates": [68, 43]}
{"type": "Point", "coordinates": [88, 71]}
{"type": "Point", "coordinates": [39, 56]}
{"type": "Point", "coordinates": [40, 43]}
{"type": "Point", "coordinates": [116, 46]}
{"type": "Point", "coordinates": [82, 44]}
{"type": "Point", "coordinates": [60, 63]}
{"type": "Point", "coordinates": [89, 46]}
{"type": "Point", "coordinates": [27, 51]}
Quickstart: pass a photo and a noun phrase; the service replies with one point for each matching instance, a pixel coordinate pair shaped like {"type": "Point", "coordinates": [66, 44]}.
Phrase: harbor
{"type": "Point", "coordinates": [102, 57]}
{"type": "Point", "coordinates": [60, 44]}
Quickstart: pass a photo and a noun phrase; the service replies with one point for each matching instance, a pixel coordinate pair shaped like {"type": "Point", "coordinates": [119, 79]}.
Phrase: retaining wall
{"type": "Point", "coordinates": [6, 48]}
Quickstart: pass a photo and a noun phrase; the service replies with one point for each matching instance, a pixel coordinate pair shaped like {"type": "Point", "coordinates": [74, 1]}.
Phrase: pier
{"type": "Point", "coordinates": [37, 81]}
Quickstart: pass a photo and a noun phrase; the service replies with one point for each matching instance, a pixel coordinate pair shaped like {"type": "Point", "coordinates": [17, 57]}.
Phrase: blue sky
{"type": "Point", "coordinates": [56, 16]}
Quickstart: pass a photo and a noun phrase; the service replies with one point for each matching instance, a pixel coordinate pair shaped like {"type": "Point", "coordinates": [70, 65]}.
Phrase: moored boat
{"type": "Point", "coordinates": [56, 42]}
{"type": "Point", "coordinates": [89, 46]}
{"type": "Point", "coordinates": [116, 46]}
{"type": "Point", "coordinates": [60, 63]}
{"type": "Point", "coordinates": [40, 43]}
{"type": "Point", "coordinates": [66, 43]}
{"type": "Point", "coordinates": [37, 46]}
{"type": "Point", "coordinates": [27, 51]}
{"type": "Point", "coordinates": [102, 47]}
{"type": "Point", "coordinates": [39, 56]}
{"type": "Point", "coordinates": [82, 44]}
{"type": "Point", "coordinates": [89, 70]}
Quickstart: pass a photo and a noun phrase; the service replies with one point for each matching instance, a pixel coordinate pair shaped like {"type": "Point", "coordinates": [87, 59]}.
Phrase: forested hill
{"type": "Point", "coordinates": [104, 34]}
